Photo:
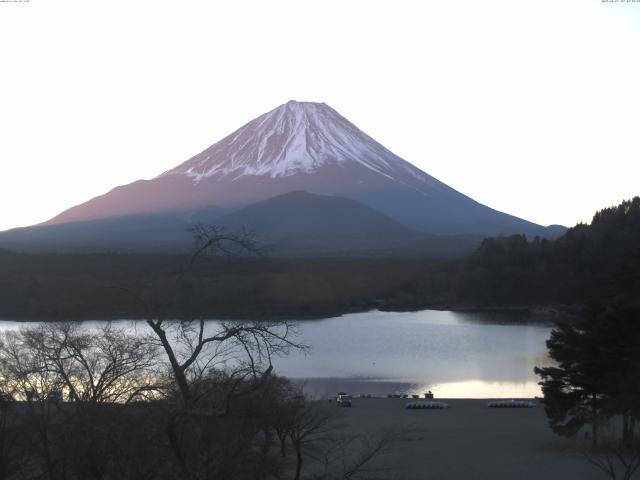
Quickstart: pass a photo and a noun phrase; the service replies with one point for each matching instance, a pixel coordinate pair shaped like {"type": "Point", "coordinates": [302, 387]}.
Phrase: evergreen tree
{"type": "Point", "coordinates": [596, 372]}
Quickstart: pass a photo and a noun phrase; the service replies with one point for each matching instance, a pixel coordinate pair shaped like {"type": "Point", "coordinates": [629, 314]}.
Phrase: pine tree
{"type": "Point", "coordinates": [596, 372]}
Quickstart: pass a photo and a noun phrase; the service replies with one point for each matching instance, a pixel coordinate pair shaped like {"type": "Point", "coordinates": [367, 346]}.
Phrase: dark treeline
{"type": "Point", "coordinates": [596, 262]}
{"type": "Point", "coordinates": [67, 286]}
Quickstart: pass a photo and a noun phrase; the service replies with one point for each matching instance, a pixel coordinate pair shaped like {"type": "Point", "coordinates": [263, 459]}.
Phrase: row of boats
{"type": "Point", "coordinates": [428, 405]}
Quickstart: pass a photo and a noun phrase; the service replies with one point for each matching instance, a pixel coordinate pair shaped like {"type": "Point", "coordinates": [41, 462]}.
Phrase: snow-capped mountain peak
{"type": "Point", "coordinates": [296, 137]}
{"type": "Point", "coordinates": [300, 147]}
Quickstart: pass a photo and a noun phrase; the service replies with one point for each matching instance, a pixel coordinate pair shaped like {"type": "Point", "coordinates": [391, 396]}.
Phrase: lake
{"type": "Point", "coordinates": [453, 354]}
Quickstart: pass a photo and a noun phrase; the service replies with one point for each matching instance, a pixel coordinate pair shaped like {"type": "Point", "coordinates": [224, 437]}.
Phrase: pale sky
{"type": "Point", "coordinates": [531, 107]}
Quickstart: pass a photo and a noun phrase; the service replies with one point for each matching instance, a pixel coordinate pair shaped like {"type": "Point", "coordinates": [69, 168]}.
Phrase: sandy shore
{"type": "Point", "coordinates": [468, 441]}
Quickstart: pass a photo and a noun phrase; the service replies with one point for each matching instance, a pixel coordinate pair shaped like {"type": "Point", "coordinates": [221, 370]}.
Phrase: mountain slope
{"type": "Point", "coordinates": [129, 233]}
{"type": "Point", "coordinates": [310, 147]}
{"type": "Point", "coordinates": [304, 215]}
{"type": "Point", "coordinates": [299, 221]}
{"type": "Point", "coordinates": [293, 224]}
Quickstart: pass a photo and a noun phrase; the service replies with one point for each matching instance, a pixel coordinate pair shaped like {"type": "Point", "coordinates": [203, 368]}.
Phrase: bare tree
{"type": "Point", "coordinates": [350, 456]}
{"type": "Point", "coordinates": [10, 460]}
{"type": "Point", "coordinates": [25, 374]}
{"type": "Point", "coordinates": [95, 366]}
{"type": "Point", "coordinates": [40, 365]}
{"type": "Point", "coordinates": [24, 371]}
{"type": "Point", "coordinates": [213, 365]}
{"type": "Point", "coordinates": [215, 240]}
{"type": "Point", "coordinates": [194, 347]}
{"type": "Point", "coordinates": [247, 347]}
{"type": "Point", "coordinates": [619, 460]}
{"type": "Point", "coordinates": [311, 423]}
{"type": "Point", "coordinates": [284, 412]}
{"type": "Point", "coordinates": [316, 433]}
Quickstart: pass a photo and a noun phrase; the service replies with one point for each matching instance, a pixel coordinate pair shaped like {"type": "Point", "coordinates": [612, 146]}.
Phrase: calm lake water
{"type": "Point", "coordinates": [456, 355]}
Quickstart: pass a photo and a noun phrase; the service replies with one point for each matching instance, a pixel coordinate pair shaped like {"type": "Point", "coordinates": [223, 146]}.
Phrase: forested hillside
{"type": "Point", "coordinates": [595, 262]}
{"type": "Point", "coordinates": [107, 286]}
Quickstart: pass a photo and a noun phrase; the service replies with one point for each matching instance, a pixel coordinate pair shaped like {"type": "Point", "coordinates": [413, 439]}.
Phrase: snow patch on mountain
{"type": "Point", "coordinates": [297, 137]}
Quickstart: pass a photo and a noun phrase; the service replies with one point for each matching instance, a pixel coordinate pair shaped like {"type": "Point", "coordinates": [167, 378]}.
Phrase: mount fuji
{"type": "Point", "coordinates": [297, 147]}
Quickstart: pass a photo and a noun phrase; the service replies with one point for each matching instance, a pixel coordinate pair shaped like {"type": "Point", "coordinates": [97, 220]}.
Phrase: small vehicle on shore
{"type": "Point", "coordinates": [343, 400]}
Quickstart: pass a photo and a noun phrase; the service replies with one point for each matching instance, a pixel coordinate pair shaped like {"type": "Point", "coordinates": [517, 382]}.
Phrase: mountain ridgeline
{"type": "Point", "coordinates": [307, 180]}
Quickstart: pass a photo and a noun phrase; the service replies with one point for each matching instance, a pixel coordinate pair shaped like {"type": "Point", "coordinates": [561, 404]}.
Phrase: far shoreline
{"type": "Point", "coordinates": [547, 313]}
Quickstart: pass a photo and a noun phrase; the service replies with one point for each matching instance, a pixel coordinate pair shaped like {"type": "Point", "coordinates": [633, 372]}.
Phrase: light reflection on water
{"type": "Point", "coordinates": [484, 389]}
{"type": "Point", "coordinates": [456, 355]}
